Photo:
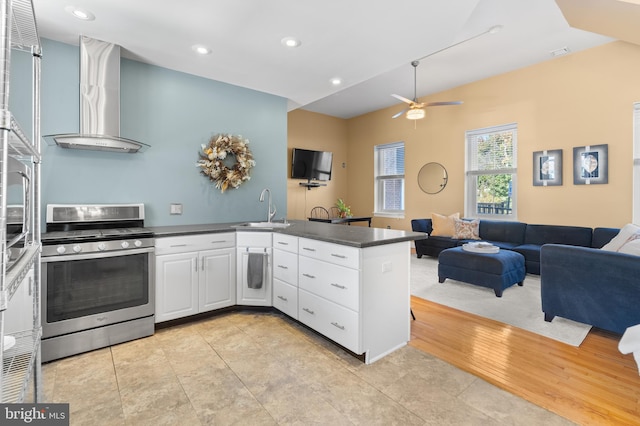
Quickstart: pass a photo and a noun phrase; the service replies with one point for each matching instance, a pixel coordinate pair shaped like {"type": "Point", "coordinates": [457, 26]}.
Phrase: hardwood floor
{"type": "Point", "coordinates": [593, 384]}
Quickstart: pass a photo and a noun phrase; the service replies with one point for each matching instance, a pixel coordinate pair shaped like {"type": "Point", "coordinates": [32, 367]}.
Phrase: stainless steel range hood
{"type": "Point", "coordinates": [99, 102]}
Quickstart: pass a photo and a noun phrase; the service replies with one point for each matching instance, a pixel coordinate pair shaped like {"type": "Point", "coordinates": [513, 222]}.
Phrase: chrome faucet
{"type": "Point", "coordinates": [271, 214]}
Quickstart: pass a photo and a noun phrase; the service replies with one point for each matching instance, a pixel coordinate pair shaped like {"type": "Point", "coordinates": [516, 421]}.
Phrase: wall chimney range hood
{"type": "Point", "coordinates": [99, 102]}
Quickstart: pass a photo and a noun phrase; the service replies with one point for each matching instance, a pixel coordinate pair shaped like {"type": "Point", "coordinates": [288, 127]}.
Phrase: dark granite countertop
{"type": "Point", "coordinates": [354, 236]}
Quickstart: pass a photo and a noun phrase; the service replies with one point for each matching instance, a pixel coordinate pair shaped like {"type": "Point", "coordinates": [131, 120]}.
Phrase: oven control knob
{"type": "Point", "coordinates": [125, 244]}
{"type": "Point", "coordinates": [137, 243]}
{"type": "Point", "coordinates": [102, 246]}
{"type": "Point", "coordinates": [61, 250]}
{"type": "Point", "coordinates": [77, 248]}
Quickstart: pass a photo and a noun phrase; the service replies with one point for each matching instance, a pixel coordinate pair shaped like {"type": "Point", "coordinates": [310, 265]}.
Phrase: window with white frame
{"type": "Point", "coordinates": [491, 170]}
{"type": "Point", "coordinates": [636, 162]}
{"type": "Point", "coordinates": [389, 179]}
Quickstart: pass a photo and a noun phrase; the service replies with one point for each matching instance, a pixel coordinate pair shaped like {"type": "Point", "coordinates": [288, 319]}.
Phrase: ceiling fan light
{"type": "Point", "coordinates": [415, 114]}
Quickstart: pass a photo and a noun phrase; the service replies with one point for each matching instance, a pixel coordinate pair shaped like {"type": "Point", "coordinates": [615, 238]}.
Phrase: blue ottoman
{"type": "Point", "coordinates": [493, 270]}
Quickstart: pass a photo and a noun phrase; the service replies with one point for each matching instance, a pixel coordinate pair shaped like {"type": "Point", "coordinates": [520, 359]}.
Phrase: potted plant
{"type": "Point", "coordinates": [344, 210]}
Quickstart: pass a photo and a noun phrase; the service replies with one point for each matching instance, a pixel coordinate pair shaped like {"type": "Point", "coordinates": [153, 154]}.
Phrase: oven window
{"type": "Point", "coordinates": [78, 288]}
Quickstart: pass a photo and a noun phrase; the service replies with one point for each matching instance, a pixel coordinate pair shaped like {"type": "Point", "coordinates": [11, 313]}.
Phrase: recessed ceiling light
{"type": "Point", "coordinates": [85, 15]}
{"type": "Point", "coordinates": [336, 81]}
{"type": "Point", "coordinates": [201, 49]}
{"type": "Point", "coordinates": [290, 42]}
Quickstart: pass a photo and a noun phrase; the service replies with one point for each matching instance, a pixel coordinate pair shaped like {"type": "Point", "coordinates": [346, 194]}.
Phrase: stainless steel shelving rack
{"type": "Point", "coordinates": [21, 363]}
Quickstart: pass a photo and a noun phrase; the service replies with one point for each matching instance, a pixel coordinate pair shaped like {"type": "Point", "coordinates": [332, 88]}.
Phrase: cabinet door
{"type": "Point", "coordinates": [217, 279]}
{"type": "Point", "coordinates": [176, 286]}
{"type": "Point", "coordinates": [260, 294]}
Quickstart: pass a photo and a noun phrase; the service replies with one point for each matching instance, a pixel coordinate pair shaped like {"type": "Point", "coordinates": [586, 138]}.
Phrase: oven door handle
{"type": "Point", "coordinates": [96, 255]}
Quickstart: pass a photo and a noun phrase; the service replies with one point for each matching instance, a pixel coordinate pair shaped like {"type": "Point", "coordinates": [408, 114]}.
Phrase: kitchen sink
{"type": "Point", "coordinates": [268, 225]}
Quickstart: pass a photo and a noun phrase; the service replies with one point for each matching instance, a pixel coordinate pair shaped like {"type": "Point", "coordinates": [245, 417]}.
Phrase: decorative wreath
{"type": "Point", "coordinates": [213, 164]}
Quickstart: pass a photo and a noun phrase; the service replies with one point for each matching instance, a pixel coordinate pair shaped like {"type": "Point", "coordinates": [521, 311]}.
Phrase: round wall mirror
{"type": "Point", "coordinates": [432, 178]}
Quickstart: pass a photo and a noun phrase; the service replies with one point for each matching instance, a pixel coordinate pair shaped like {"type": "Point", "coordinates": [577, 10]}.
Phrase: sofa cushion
{"type": "Point", "coordinates": [602, 236]}
{"type": "Point", "coordinates": [558, 234]}
{"type": "Point", "coordinates": [442, 242]}
{"type": "Point", "coordinates": [625, 234]}
{"type": "Point", "coordinates": [531, 253]}
{"type": "Point", "coordinates": [466, 229]}
{"type": "Point", "coordinates": [502, 230]}
{"type": "Point", "coordinates": [443, 226]}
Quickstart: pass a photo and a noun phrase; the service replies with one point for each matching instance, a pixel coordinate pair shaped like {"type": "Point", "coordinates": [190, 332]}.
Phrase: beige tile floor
{"type": "Point", "coordinates": [256, 368]}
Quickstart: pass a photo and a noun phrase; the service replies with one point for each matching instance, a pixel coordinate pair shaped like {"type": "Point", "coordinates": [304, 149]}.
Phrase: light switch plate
{"type": "Point", "coordinates": [176, 208]}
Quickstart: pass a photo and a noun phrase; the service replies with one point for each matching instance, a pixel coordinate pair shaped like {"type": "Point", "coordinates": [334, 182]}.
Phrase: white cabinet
{"type": "Point", "coordinates": [254, 268]}
{"type": "Point", "coordinates": [176, 286]}
{"type": "Point", "coordinates": [194, 274]}
{"type": "Point", "coordinates": [357, 297]}
{"type": "Point", "coordinates": [285, 274]}
{"type": "Point", "coordinates": [329, 293]}
{"type": "Point", "coordinates": [217, 279]}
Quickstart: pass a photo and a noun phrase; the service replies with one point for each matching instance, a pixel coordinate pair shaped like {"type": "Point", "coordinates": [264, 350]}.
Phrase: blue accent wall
{"type": "Point", "coordinates": [173, 112]}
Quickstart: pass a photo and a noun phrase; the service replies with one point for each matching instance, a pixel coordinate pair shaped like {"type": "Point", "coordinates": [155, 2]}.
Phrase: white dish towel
{"type": "Point", "coordinates": [630, 343]}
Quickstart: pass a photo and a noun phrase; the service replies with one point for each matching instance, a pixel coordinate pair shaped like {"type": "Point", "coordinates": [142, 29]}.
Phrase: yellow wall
{"type": "Point", "coordinates": [585, 98]}
{"type": "Point", "coordinates": [309, 130]}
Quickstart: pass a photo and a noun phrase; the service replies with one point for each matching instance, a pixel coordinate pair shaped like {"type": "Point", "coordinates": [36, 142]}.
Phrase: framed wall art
{"type": "Point", "coordinates": [547, 168]}
{"type": "Point", "coordinates": [590, 165]}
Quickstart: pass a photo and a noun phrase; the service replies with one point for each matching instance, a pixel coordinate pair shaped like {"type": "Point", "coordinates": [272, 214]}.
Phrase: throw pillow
{"type": "Point", "coordinates": [631, 247]}
{"type": "Point", "coordinates": [623, 236]}
{"type": "Point", "coordinates": [466, 229]}
{"type": "Point", "coordinates": [443, 226]}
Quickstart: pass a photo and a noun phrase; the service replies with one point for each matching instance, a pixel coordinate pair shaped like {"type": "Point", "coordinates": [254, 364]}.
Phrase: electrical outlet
{"type": "Point", "coordinates": [176, 208]}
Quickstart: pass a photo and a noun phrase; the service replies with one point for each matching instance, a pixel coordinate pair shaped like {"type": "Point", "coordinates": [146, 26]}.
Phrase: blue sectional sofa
{"type": "Point", "coordinates": [591, 286]}
{"type": "Point", "coordinates": [517, 236]}
{"type": "Point", "coordinates": [579, 281]}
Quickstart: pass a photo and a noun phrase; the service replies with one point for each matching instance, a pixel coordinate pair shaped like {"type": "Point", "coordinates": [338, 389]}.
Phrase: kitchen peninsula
{"type": "Point", "coordinates": [349, 283]}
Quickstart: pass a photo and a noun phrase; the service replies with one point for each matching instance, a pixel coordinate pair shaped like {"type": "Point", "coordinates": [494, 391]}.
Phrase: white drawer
{"type": "Point", "coordinates": [285, 266]}
{"type": "Point", "coordinates": [335, 283]}
{"type": "Point", "coordinates": [285, 298]}
{"type": "Point", "coordinates": [188, 243]}
{"type": "Point", "coordinates": [285, 242]}
{"type": "Point", "coordinates": [253, 239]}
{"type": "Point", "coordinates": [335, 322]}
{"type": "Point", "coordinates": [329, 252]}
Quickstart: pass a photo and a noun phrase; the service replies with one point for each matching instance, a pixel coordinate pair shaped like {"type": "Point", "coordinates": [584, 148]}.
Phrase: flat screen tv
{"type": "Point", "coordinates": [311, 165]}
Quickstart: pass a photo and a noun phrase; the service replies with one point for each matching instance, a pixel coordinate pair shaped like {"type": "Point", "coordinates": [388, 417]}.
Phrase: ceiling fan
{"type": "Point", "coordinates": [416, 109]}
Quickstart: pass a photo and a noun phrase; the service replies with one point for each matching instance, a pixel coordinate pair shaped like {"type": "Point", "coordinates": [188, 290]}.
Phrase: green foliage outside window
{"type": "Point", "coordinates": [494, 152]}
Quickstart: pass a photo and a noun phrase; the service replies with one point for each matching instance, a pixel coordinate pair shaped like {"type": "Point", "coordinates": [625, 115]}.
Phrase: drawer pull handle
{"type": "Point", "coordinates": [335, 324]}
{"type": "Point", "coordinates": [309, 276]}
{"type": "Point", "coordinates": [283, 243]}
{"type": "Point", "coordinates": [282, 298]}
{"type": "Point", "coordinates": [218, 241]}
{"type": "Point", "coordinates": [308, 311]}
{"type": "Point", "coordinates": [341, 287]}
{"type": "Point", "coordinates": [340, 256]}
{"type": "Point", "coordinates": [178, 245]}
{"type": "Point", "coordinates": [308, 249]}
{"type": "Point", "coordinates": [283, 267]}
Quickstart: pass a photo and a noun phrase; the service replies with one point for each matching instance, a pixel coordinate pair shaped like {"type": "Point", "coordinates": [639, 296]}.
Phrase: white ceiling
{"type": "Point", "coordinates": [368, 44]}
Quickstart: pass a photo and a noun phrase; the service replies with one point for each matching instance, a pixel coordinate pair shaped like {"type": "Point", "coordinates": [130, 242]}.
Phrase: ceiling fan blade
{"type": "Point", "coordinates": [400, 113]}
{"type": "Point", "coordinates": [403, 99]}
{"type": "Point", "coordinates": [444, 103]}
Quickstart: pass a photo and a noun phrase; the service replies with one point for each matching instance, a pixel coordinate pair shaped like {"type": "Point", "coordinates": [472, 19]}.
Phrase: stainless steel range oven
{"type": "Point", "coordinates": [97, 278]}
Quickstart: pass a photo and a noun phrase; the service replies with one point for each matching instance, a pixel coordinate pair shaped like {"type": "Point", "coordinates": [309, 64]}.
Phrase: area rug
{"type": "Point", "coordinates": [519, 306]}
